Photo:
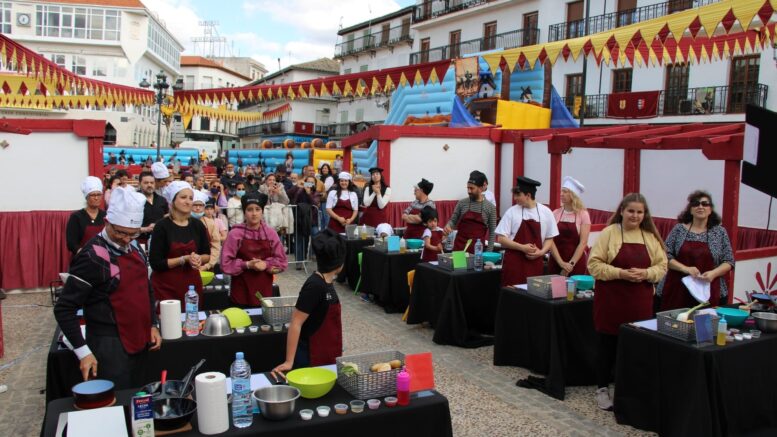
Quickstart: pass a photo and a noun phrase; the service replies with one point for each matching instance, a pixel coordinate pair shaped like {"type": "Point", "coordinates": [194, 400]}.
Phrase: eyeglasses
{"type": "Point", "coordinates": [703, 203]}
{"type": "Point", "coordinates": [124, 234]}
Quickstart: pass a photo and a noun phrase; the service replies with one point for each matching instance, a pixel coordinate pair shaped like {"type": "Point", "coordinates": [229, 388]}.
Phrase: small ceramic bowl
{"type": "Point", "coordinates": [253, 328]}
{"type": "Point", "coordinates": [341, 408]}
{"type": "Point", "coordinates": [266, 328]}
{"type": "Point", "coordinates": [373, 404]}
{"type": "Point", "coordinates": [240, 330]}
{"type": "Point", "coordinates": [357, 406]}
{"type": "Point", "coordinates": [738, 337]}
{"type": "Point", "coordinates": [306, 414]}
{"type": "Point", "coordinates": [277, 327]}
{"type": "Point", "coordinates": [323, 411]}
{"type": "Point", "coordinates": [390, 401]}
{"type": "Point", "coordinates": [755, 333]}
{"type": "Point", "coordinates": [747, 335]}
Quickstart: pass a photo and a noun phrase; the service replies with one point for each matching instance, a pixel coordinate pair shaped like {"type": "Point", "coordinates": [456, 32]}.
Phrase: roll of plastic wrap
{"type": "Point", "coordinates": [170, 319]}
{"type": "Point", "coordinates": [212, 410]}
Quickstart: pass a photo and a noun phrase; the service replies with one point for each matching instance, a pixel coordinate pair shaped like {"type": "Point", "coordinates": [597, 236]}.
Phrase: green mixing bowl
{"type": "Point", "coordinates": [237, 317]}
{"type": "Point", "coordinates": [734, 317]}
{"type": "Point", "coordinates": [207, 277]}
{"type": "Point", "coordinates": [312, 382]}
{"type": "Point", "coordinates": [413, 243]}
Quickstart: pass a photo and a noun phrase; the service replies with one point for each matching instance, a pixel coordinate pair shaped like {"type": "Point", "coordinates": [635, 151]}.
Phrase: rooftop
{"type": "Point", "coordinates": [322, 65]}
{"type": "Point", "coordinates": [199, 61]}
{"type": "Point", "coordinates": [105, 3]}
{"type": "Point", "coordinates": [365, 24]}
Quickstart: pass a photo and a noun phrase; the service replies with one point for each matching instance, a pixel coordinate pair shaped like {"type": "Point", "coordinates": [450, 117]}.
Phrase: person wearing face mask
{"type": "Point", "coordinates": [155, 207]}
{"type": "Point", "coordinates": [217, 195]}
{"type": "Point", "coordinates": [198, 212]}
{"type": "Point", "coordinates": [252, 254]}
{"type": "Point", "coordinates": [161, 176]}
{"type": "Point", "coordinates": [230, 178]}
{"type": "Point", "coordinates": [86, 222]}
{"type": "Point", "coordinates": [179, 246]}
{"type": "Point", "coordinates": [234, 208]}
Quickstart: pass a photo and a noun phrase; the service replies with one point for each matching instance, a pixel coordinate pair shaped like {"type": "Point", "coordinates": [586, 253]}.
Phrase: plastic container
{"type": "Point", "coordinates": [357, 406]}
{"type": "Point", "coordinates": [277, 327]}
{"type": "Point", "coordinates": [402, 245]}
{"type": "Point", "coordinates": [390, 401]}
{"type": "Point", "coordinates": [266, 328]}
{"type": "Point", "coordinates": [242, 411]}
{"type": "Point", "coordinates": [373, 404]}
{"type": "Point", "coordinates": [722, 332]}
{"type": "Point", "coordinates": [253, 328]}
{"type": "Point", "coordinates": [306, 414]}
{"type": "Point", "coordinates": [478, 255]}
{"type": "Point", "coordinates": [323, 411]}
{"type": "Point", "coordinates": [403, 388]}
{"type": "Point", "coordinates": [341, 408]}
{"type": "Point", "coordinates": [755, 333]}
{"type": "Point", "coordinates": [240, 330]}
{"type": "Point", "coordinates": [192, 324]}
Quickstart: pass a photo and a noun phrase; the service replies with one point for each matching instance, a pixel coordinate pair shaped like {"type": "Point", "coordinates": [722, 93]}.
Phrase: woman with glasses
{"type": "Point", "coordinates": [697, 246]}
{"type": "Point", "coordinates": [86, 222]}
{"type": "Point", "coordinates": [179, 247]}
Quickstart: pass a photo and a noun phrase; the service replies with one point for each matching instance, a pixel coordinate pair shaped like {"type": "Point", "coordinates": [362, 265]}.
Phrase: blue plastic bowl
{"type": "Point", "coordinates": [413, 243]}
{"type": "Point", "coordinates": [734, 317]}
{"type": "Point", "coordinates": [583, 282]}
{"type": "Point", "coordinates": [493, 257]}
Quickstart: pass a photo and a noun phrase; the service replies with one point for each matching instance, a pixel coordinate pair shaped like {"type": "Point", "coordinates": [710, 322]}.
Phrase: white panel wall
{"type": "Point", "coordinates": [416, 158]}
{"type": "Point", "coordinates": [44, 154]}
{"type": "Point", "coordinates": [754, 210]}
{"type": "Point", "coordinates": [537, 167]}
{"type": "Point", "coordinates": [601, 171]}
{"type": "Point", "coordinates": [507, 182]}
{"type": "Point", "coordinates": [746, 272]}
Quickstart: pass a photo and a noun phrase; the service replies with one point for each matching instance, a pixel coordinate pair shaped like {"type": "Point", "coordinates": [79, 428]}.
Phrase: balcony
{"type": "Point", "coordinates": [507, 40]}
{"type": "Point", "coordinates": [437, 8]}
{"type": "Point", "coordinates": [601, 23]}
{"type": "Point", "coordinates": [284, 127]}
{"type": "Point", "coordinates": [691, 101]}
{"type": "Point", "coordinates": [342, 130]}
{"type": "Point", "coordinates": [374, 41]}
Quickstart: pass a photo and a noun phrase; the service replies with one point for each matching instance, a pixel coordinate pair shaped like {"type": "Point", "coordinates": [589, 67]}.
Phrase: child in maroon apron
{"type": "Point", "coordinates": [516, 266]}
{"type": "Point", "coordinates": [566, 242]}
{"type": "Point", "coordinates": [433, 236]}
{"type": "Point", "coordinates": [174, 282]}
{"type": "Point", "coordinates": [674, 293]}
{"type": "Point", "coordinates": [342, 208]}
{"type": "Point", "coordinates": [247, 284]}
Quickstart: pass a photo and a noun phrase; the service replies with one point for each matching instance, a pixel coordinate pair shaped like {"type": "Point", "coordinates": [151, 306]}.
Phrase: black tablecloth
{"type": "Point", "coordinates": [384, 275]}
{"type": "Point", "coordinates": [460, 305]}
{"type": "Point", "coordinates": [425, 416]}
{"type": "Point", "coordinates": [550, 337]}
{"type": "Point", "coordinates": [676, 389]}
{"type": "Point", "coordinates": [350, 270]}
{"type": "Point", "coordinates": [263, 350]}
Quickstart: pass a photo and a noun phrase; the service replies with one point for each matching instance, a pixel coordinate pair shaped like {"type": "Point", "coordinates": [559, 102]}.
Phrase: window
{"type": "Point", "coordinates": [80, 23]}
{"type": "Point", "coordinates": [454, 41]}
{"type": "Point", "coordinates": [384, 34]}
{"type": "Point", "coordinates": [188, 83]}
{"type": "Point", "coordinates": [425, 45]}
{"type": "Point", "coordinates": [343, 116]}
{"type": "Point", "coordinates": [347, 71]}
{"type": "Point", "coordinates": [100, 67]}
{"type": "Point", "coordinates": [574, 88]}
{"type": "Point", "coordinates": [59, 60]}
{"type": "Point", "coordinates": [363, 68]}
{"type": "Point", "coordinates": [405, 28]}
{"type": "Point", "coordinates": [679, 5]}
{"type": "Point", "coordinates": [79, 65]}
{"type": "Point", "coordinates": [360, 114]}
{"type": "Point", "coordinates": [349, 45]}
{"type": "Point", "coordinates": [675, 88]}
{"type": "Point", "coordinates": [575, 23]}
{"type": "Point", "coordinates": [743, 82]}
{"type": "Point", "coordinates": [621, 80]}
{"type": "Point", "coordinates": [489, 36]}
{"type": "Point", "coordinates": [161, 43]}
{"type": "Point", "coordinates": [207, 82]}
{"type": "Point", "coordinates": [626, 12]}
{"type": "Point", "coordinates": [5, 17]}
{"type": "Point", "coordinates": [204, 123]}
{"type": "Point", "coordinates": [530, 26]}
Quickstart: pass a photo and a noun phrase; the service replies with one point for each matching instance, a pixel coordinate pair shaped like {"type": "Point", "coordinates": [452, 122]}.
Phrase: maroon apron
{"type": "Point", "coordinates": [413, 230]}
{"type": "Point", "coordinates": [326, 344]}
{"type": "Point", "coordinates": [566, 242]}
{"type": "Point", "coordinates": [674, 294]}
{"type": "Point", "coordinates": [90, 231]}
{"type": "Point", "coordinates": [619, 301]}
{"type": "Point", "coordinates": [516, 267]}
{"type": "Point", "coordinates": [470, 226]}
{"type": "Point", "coordinates": [131, 303]}
{"type": "Point", "coordinates": [343, 209]}
{"type": "Point", "coordinates": [246, 284]}
{"type": "Point", "coordinates": [372, 215]}
{"type": "Point", "coordinates": [174, 283]}
{"type": "Point", "coordinates": [434, 240]}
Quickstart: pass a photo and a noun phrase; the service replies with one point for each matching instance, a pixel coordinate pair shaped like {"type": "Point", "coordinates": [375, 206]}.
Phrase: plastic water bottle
{"type": "Point", "coordinates": [478, 256]}
{"type": "Point", "coordinates": [242, 411]}
{"type": "Point", "coordinates": [192, 324]}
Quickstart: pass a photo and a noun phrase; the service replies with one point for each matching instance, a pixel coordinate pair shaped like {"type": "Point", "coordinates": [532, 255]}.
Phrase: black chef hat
{"type": "Point", "coordinates": [376, 170]}
{"type": "Point", "coordinates": [428, 213]}
{"type": "Point", "coordinates": [477, 178]}
{"type": "Point", "coordinates": [329, 248]}
{"type": "Point", "coordinates": [425, 186]}
{"type": "Point", "coordinates": [526, 185]}
{"type": "Point", "coordinates": [253, 198]}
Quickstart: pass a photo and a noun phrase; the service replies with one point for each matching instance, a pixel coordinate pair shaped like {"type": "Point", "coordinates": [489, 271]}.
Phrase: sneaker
{"type": "Point", "coordinates": [603, 399]}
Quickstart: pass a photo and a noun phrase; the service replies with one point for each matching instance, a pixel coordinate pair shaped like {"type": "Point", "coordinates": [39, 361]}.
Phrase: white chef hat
{"type": "Point", "coordinates": [126, 207]}
{"type": "Point", "coordinates": [90, 185]}
{"type": "Point", "coordinates": [573, 185]}
{"type": "Point", "coordinates": [160, 171]}
{"type": "Point", "coordinates": [344, 175]}
{"type": "Point", "coordinates": [384, 228]}
{"type": "Point", "coordinates": [174, 188]}
{"type": "Point", "coordinates": [201, 197]}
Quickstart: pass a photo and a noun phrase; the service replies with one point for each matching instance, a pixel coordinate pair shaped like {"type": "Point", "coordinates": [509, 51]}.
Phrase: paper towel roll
{"type": "Point", "coordinates": [212, 409]}
{"type": "Point", "coordinates": [170, 319]}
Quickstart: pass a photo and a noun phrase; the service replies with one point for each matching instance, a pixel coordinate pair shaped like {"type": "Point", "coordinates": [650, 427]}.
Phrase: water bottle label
{"type": "Point", "coordinates": [239, 387]}
{"type": "Point", "coordinates": [191, 307]}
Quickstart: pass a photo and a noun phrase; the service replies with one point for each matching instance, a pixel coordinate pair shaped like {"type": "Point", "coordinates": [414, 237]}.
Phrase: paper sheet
{"type": "Point", "coordinates": [524, 287]}
{"type": "Point", "coordinates": [434, 263]}
{"type": "Point", "coordinates": [651, 325]}
{"type": "Point", "coordinates": [699, 289]}
{"type": "Point", "coordinates": [253, 311]}
{"type": "Point", "coordinates": [101, 421]}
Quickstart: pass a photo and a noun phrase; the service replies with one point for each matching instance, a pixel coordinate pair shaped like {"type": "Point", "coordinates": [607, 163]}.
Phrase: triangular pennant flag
{"type": "Point", "coordinates": [745, 11]}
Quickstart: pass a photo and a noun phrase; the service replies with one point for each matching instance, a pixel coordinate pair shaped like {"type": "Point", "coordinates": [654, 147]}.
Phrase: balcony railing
{"type": "Point", "coordinates": [436, 8]}
{"type": "Point", "coordinates": [601, 23]}
{"type": "Point", "coordinates": [507, 40]}
{"type": "Point", "coordinates": [376, 40]}
{"type": "Point", "coordinates": [271, 128]}
{"type": "Point", "coordinates": [691, 101]}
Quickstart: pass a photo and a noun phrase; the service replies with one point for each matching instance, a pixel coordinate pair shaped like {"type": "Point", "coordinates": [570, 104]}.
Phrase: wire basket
{"type": "Point", "coordinates": [280, 311]}
{"type": "Point", "coordinates": [367, 384]}
{"type": "Point", "coordinates": [540, 286]}
{"type": "Point", "coordinates": [669, 325]}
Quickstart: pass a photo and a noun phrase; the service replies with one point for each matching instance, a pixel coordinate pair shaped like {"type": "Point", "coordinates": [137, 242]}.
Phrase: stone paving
{"type": "Point", "coordinates": [484, 400]}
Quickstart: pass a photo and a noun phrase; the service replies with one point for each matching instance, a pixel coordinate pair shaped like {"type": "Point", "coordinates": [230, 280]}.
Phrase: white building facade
{"type": "Point", "coordinates": [121, 42]}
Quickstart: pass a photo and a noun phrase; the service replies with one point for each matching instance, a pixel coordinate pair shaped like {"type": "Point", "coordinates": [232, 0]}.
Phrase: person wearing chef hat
{"type": "Point", "coordinates": [108, 278]}
{"type": "Point", "coordinates": [161, 176]}
{"type": "Point", "coordinates": [179, 246]}
{"type": "Point", "coordinates": [252, 254]}
{"type": "Point", "coordinates": [526, 233]}
{"type": "Point", "coordinates": [568, 256]}
{"type": "Point", "coordinates": [384, 230]}
{"type": "Point", "coordinates": [86, 222]}
{"type": "Point", "coordinates": [412, 214]}
{"type": "Point", "coordinates": [342, 204]}
{"type": "Point", "coordinates": [376, 198]}
{"type": "Point", "coordinates": [473, 217]}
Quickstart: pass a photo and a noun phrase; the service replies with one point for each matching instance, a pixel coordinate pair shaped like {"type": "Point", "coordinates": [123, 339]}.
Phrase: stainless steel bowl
{"type": "Point", "coordinates": [766, 322]}
{"type": "Point", "coordinates": [276, 402]}
{"type": "Point", "coordinates": [217, 325]}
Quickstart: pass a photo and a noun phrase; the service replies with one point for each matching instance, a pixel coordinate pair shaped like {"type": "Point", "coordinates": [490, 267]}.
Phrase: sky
{"type": "Point", "coordinates": [293, 30]}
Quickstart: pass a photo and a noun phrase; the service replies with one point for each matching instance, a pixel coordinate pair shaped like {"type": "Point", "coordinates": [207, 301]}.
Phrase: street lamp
{"type": "Point", "coordinates": [161, 87]}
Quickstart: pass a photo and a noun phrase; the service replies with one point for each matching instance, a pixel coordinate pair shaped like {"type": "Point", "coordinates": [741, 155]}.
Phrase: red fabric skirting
{"type": "Point", "coordinates": [444, 211]}
{"type": "Point", "coordinates": [33, 248]}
